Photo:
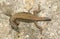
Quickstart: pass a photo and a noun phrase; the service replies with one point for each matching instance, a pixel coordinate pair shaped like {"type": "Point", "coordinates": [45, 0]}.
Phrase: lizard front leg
{"type": "Point", "coordinates": [14, 25]}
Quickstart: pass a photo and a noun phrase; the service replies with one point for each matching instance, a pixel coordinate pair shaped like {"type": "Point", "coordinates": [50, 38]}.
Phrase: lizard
{"type": "Point", "coordinates": [26, 17]}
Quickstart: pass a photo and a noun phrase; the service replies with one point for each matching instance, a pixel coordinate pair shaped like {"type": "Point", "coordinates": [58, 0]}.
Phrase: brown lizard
{"type": "Point", "coordinates": [26, 17]}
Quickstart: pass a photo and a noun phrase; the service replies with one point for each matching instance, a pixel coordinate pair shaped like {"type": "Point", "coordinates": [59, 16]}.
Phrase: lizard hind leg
{"type": "Point", "coordinates": [36, 11]}
{"type": "Point", "coordinates": [39, 27]}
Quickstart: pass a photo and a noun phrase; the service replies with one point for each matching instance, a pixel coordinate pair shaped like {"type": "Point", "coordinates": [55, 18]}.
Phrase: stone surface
{"type": "Point", "coordinates": [49, 8]}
